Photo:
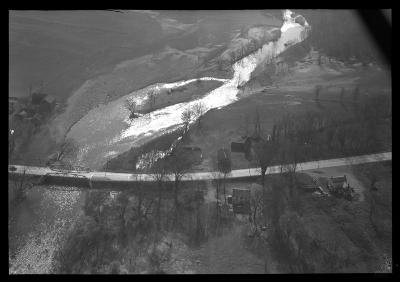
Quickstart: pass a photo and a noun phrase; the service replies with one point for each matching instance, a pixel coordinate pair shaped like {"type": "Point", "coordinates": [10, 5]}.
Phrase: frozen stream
{"type": "Point", "coordinates": [168, 117]}
{"type": "Point", "coordinates": [106, 131]}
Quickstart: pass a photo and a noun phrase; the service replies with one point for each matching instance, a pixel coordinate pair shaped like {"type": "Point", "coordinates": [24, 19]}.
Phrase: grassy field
{"type": "Point", "coordinates": [294, 95]}
{"type": "Point", "coordinates": [65, 48]}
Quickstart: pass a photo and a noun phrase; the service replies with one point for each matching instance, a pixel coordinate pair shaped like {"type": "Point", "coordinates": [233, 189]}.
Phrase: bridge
{"type": "Point", "coordinates": [98, 179]}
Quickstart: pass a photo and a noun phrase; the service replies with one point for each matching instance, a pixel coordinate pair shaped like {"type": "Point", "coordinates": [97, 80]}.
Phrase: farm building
{"type": "Point", "coordinates": [247, 147]}
{"type": "Point", "coordinates": [339, 187]}
{"type": "Point", "coordinates": [195, 153]}
{"type": "Point", "coordinates": [338, 182]}
{"type": "Point", "coordinates": [241, 201]}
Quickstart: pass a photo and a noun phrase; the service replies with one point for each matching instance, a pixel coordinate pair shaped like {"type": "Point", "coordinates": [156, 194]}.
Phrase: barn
{"type": "Point", "coordinates": [241, 201]}
{"type": "Point", "coordinates": [338, 182]}
{"type": "Point", "coordinates": [195, 153]}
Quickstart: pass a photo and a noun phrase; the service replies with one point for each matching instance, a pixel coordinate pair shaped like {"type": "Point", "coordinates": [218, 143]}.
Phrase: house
{"type": "Point", "coordinates": [338, 182]}
{"type": "Point", "coordinates": [339, 187]}
{"type": "Point", "coordinates": [241, 201]}
{"type": "Point", "coordinates": [195, 153]}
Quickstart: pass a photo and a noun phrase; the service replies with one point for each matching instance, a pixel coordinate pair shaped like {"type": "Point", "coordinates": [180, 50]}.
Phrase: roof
{"type": "Point", "coordinates": [338, 179]}
{"type": "Point", "coordinates": [50, 99]}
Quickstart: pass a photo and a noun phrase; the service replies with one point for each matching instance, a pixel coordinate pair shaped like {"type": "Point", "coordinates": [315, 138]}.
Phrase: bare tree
{"type": "Point", "coordinates": [66, 149]}
{"type": "Point", "coordinates": [256, 207]}
{"type": "Point", "coordinates": [224, 165]}
{"type": "Point", "coordinates": [21, 184]}
{"type": "Point", "coordinates": [159, 171]}
{"type": "Point", "coordinates": [186, 117]}
{"type": "Point", "coordinates": [217, 179]}
{"type": "Point", "coordinates": [373, 172]}
{"type": "Point", "coordinates": [246, 123]}
{"type": "Point", "coordinates": [130, 105]}
{"type": "Point", "coordinates": [178, 163]}
{"type": "Point", "coordinates": [152, 99]}
{"type": "Point", "coordinates": [199, 110]}
{"type": "Point", "coordinates": [257, 124]}
{"type": "Point", "coordinates": [264, 153]}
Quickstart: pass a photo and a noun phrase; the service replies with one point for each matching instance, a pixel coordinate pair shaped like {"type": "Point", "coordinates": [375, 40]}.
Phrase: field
{"type": "Point", "coordinates": [293, 94]}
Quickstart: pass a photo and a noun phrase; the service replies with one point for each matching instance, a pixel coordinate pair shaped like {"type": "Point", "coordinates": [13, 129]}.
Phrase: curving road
{"type": "Point", "coordinates": [196, 176]}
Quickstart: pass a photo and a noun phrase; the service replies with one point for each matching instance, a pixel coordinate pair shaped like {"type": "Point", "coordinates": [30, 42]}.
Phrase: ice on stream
{"type": "Point", "coordinates": [226, 94]}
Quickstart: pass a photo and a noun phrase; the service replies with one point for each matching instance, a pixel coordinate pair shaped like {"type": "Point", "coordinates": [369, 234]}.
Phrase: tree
{"type": "Point", "coordinates": [256, 207]}
{"type": "Point", "coordinates": [186, 117]}
{"type": "Point", "coordinates": [291, 154]}
{"type": "Point", "coordinates": [373, 172]}
{"type": "Point", "coordinates": [257, 124]}
{"type": "Point", "coordinates": [152, 99]}
{"type": "Point", "coordinates": [66, 149]}
{"type": "Point", "coordinates": [22, 183]}
{"type": "Point", "coordinates": [159, 170]}
{"type": "Point", "coordinates": [199, 110]}
{"type": "Point", "coordinates": [264, 153]}
{"type": "Point", "coordinates": [178, 163]}
{"type": "Point", "coordinates": [224, 165]}
{"type": "Point", "coordinates": [130, 105]}
{"type": "Point", "coordinates": [217, 179]}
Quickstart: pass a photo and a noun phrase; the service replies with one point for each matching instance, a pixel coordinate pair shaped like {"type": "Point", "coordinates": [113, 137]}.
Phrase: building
{"type": "Point", "coordinates": [338, 182]}
{"type": "Point", "coordinates": [195, 153]}
{"type": "Point", "coordinates": [339, 187]}
{"type": "Point", "coordinates": [241, 201]}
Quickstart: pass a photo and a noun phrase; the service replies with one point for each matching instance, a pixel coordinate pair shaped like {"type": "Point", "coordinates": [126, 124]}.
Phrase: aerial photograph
{"type": "Point", "coordinates": [199, 141]}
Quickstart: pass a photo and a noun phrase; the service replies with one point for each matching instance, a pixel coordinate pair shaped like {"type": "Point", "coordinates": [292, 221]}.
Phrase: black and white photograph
{"type": "Point", "coordinates": [247, 141]}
